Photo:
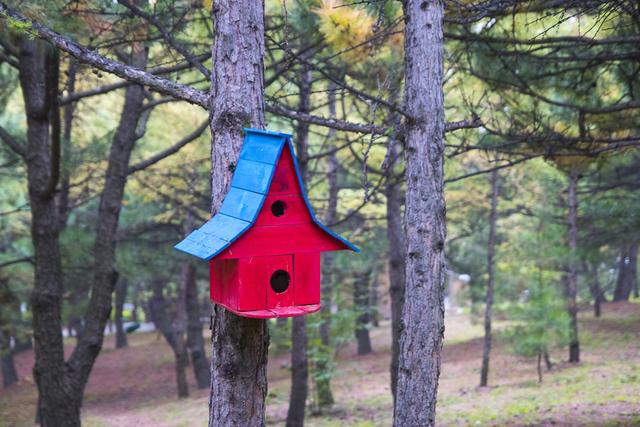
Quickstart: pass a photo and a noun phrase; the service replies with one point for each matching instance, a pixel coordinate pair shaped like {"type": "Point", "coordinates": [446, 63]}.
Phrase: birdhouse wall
{"type": "Point", "coordinates": [245, 284]}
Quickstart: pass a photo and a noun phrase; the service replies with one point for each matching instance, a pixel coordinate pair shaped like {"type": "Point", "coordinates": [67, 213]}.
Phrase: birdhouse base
{"type": "Point", "coordinates": [272, 313]}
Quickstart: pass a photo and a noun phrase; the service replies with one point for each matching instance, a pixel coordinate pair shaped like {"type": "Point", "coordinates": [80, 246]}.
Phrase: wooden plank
{"type": "Point", "coordinates": [280, 240]}
{"type": "Point", "coordinates": [275, 264]}
{"type": "Point", "coordinates": [306, 268]}
{"type": "Point", "coordinates": [261, 148]}
{"type": "Point", "coordinates": [241, 204]}
{"type": "Point", "coordinates": [295, 211]}
{"type": "Point", "coordinates": [252, 176]}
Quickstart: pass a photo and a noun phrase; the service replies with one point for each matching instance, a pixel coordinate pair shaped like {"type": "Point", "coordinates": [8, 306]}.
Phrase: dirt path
{"type": "Point", "coordinates": [136, 386]}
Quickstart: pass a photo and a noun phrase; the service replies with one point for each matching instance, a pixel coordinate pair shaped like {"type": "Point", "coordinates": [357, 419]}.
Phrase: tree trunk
{"type": "Point", "coordinates": [104, 251]}
{"type": "Point", "coordinates": [9, 372]}
{"type": "Point", "coordinates": [627, 273]}
{"type": "Point", "coordinates": [488, 311]}
{"type": "Point", "coordinates": [121, 295]}
{"type": "Point", "coordinates": [395, 237]}
{"type": "Point", "coordinates": [361, 305]}
{"type": "Point", "coordinates": [539, 367]}
{"type": "Point", "coordinates": [162, 321]}
{"type": "Point", "coordinates": [299, 361]}
{"type": "Point", "coordinates": [425, 228]}
{"type": "Point", "coordinates": [596, 290]}
{"type": "Point", "coordinates": [240, 345]}
{"type": "Point", "coordinates": [321, 372]}
{"type": "Point", "coordinates": [547, 361]}
{"type": "Point", "coordinates": [58, 403]}
{"type": "Point", "coordinates": [299, 373]}
{"type": "Point", "coordinates": [572, 276]}
{"type": "Point", "coordinates": [195, 341]}
{"type": "Point", "coordinates": [373, 302]}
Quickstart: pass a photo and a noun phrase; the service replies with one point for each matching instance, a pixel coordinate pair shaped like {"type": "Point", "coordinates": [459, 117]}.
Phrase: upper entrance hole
{"type": "Point", "coordinates": [278, 207]}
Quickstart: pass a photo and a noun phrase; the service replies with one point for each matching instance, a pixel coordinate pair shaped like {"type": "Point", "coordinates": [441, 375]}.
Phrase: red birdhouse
{"type": "Point", "coordinates": [264, 244]}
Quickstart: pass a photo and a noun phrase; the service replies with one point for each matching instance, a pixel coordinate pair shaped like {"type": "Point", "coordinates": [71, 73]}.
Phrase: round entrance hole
{"type": "Point", "coordinates": [280, 281]}
{"type": "Point", "coordinates": [278, 207]}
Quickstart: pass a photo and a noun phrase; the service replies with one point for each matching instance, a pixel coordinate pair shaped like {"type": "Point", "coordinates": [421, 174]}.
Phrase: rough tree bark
{"type": "Point", "coordinates": [240, 345]}
{"type": "Point", "coordinates": [321, 371]}
{"type": "Point", "coordinates": [488, 310]}
{"type": "Point", "coordinates": [299, 360]}
{"type": "Point", "coordinates": [571, 289]}
{"type": "Point", "coordinates": [361, 299]}
{"type": "Point", "coordinates": [395, 237]}
{"type": "Point", "coordinates": [195, 340]}
{"type": "Point", "coordinates": [425, 228]}
{"type": "Point", "coordinates": [121, 295]}
{"type": "Point", "coordinates": [627, 273]}
{"type": "Point", "coordinates": [58, 403]}
{"type": "Point", "coordinates": [158, 306]}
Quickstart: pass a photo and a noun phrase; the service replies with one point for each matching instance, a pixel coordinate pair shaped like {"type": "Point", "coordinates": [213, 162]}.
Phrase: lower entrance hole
{"type": "Point", "coordinates": [280, 280]}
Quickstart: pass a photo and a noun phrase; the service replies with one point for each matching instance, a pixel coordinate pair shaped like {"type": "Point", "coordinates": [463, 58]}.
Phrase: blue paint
{"type": "Point", "coordinates": [252, 177]}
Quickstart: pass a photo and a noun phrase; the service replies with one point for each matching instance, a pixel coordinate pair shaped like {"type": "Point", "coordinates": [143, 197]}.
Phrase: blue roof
{"type": "Point", "coordinates": [259, 157]}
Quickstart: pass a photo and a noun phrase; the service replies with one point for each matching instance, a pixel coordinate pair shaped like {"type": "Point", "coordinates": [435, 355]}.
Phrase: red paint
{"type": "Point", "coordinates": [284, 239]}
{"type": "Point", "coordinates": [307, 277]}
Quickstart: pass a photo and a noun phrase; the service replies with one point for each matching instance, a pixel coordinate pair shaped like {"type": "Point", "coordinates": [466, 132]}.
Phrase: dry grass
{"type": "Point", "coordinates": [135, 386]}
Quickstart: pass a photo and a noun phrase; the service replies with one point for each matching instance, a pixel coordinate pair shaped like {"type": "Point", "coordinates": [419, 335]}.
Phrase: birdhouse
{"type": "Point", "coordinates": [263, 245]}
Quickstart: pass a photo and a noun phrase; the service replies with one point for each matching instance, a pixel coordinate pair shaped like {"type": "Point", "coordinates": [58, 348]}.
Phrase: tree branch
{"type": "Point", "coordinates": [83, 54]}
{"type": "Point", "coordinates": [119, 85]}
{"type": "Point", "coordinates": [169, 151]}
{"type": "Point", "coordinates": [17, 148]}
{"type": "Point", "coordinates": [167, 37]}
{"type": "Point", "coordinates": [281, 110]}
{"type": "Point", "coordinates": [16, 261]}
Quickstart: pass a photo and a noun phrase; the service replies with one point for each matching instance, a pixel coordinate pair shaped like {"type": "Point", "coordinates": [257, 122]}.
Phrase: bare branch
{"type": "Point", "coordinates": [169, 151]}
{"type": "Point", "coordinates": [280, 110]}
{"type": "Point", "coordinates": [17, 147]}
{"type": "Point", "coordinates": [16, 261]}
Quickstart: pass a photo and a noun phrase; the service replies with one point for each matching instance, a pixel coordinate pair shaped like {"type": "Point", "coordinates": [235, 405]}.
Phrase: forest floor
{"type": "Point", "coordinates": [135, 386]}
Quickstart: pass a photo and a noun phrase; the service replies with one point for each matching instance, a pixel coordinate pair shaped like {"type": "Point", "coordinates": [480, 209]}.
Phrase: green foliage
{"type": "Point", "coordinates": [540, 322]}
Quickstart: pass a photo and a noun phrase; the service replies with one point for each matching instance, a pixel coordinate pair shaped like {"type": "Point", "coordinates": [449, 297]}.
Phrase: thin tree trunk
{"type": "Point", "coordinates": [299, 361]}
{"type": "Point", "coordinates": [162, 321]}
{"type": "Point", "coordinates": [373, 301]}
{"type": "Point", "coordinates": [121, 295]}
{"type": "Point", "coordinates": [627, 273]}
{"type": "Point", "coordinates": [539, 367]}
{"type": "Point", "coordinates": [180, 329]}
{"type": "Point", "coordinates": [572, 276]}
{"type": "Point", "coordinates": [596, 290]}
{"type": "Point", "coordinates": [9, 372]}
{"type": "Point", "coordinates": [195, 340]}
{"type": "Point", "coordinates": [104, 251]}
{"type": "Point", "coordinates": [299, 374]}
{"type": "Point", "coordinates": [488, 311]}
{"type": "Point", "coordinates": [395, 237]}
{"type": "Point", "coordinates": [361, 303]}
{"type": "Point", "coordinates": [547, 361]}
{"type": "Point", "coordinates": [240, 345]}
{"type": "Point", "coordinates": [321, 371]}
{"type": "Point", "coordinates": [425, 227]}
